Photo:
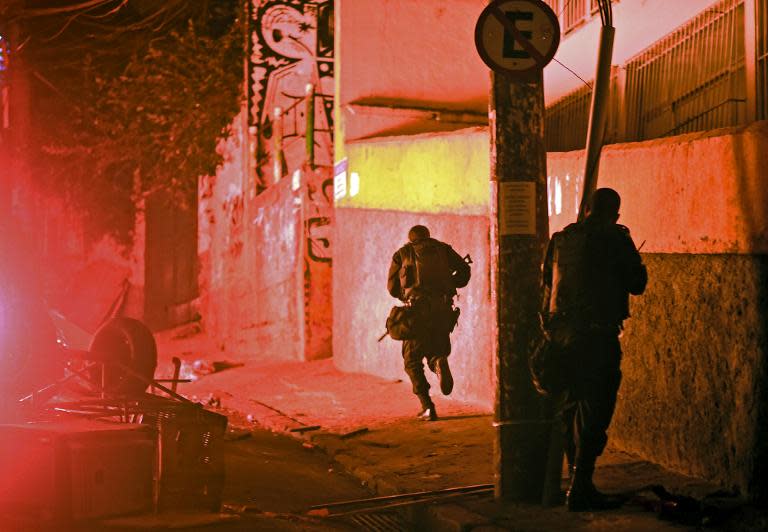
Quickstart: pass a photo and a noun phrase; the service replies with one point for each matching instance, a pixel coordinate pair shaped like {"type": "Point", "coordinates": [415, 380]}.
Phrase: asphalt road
{"type": "Point", "coordinates": [279, 478]}
{"type": "Point", "coordinates": [272, 480]}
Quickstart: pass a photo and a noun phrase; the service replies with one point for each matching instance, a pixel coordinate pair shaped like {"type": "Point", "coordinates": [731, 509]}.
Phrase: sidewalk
{"type": "Point", "coordinates": [368, 425]}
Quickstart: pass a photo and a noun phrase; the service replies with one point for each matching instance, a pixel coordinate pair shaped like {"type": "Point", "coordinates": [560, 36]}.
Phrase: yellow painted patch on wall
{"type": "Point", "coordinates": [431, 173]}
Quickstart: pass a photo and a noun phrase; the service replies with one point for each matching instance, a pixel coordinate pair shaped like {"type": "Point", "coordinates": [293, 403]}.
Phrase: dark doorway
{"type": "Point", "coordinates": [170, 263]}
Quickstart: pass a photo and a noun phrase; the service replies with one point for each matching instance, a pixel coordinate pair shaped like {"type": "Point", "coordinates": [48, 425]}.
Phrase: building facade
{"type": "Point", "coordinates": [688, 145]}
{"type": "Point", "coordinates": [399, 126]}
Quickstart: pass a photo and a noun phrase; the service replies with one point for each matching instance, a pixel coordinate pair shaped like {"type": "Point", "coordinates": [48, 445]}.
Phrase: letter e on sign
{"type": "Point", "coordinates": [517, 37]}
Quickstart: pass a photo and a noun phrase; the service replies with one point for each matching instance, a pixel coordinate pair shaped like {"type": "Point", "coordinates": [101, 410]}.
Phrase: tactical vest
{"type": "Point", "coordinates": [425, 269]}
{"type": "Point", "coordinates": [587, 284]}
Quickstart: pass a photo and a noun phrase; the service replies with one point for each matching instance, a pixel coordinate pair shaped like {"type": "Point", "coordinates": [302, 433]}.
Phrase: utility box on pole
{"type": "Point", "coordinates": [516, 38]}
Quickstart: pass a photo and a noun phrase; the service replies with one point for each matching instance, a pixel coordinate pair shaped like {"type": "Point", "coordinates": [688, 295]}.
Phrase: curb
{"type": "Point", "coordinates": [448, 517]}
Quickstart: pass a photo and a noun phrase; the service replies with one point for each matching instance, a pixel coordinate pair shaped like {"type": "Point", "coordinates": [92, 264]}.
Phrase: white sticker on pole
{"type": "Point", "coordinates": [517, 208]}
{"type": "Point", "coordinates": [340, 179]}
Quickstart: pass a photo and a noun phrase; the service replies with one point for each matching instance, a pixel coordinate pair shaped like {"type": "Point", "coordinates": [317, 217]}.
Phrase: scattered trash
{"type": "Point", "coordinates": [307, 445]}
{"type": "Point", "coordinates": [250, 418]}
{"type": "Point", "coordinates": [713, 509]}
{"type": "Point", "coordinates": [237, 435]}
{"type": "Point", "coordinates": [186, 331]}
{"type": "Point", "coordinates": [352, 433]}
{"type": "Point", "coordinates": [306, 428]}
{"type": "Point", "coordinates": [200, 368]}
{"type": "Point", "coordinates": [379, 444]}
{"type": "Point", "coordinates": [222, 365]}
{"type": "Point", "coordinates": [213, 401]}
{"type": "Point", "coordinates": [278, 411]}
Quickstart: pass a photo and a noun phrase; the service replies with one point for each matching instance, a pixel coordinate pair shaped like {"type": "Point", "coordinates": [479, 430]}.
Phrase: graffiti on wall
{"type": "Point", "coordinates": [320, 202]}
{"type": "Point", "coordinates": [292, 46]}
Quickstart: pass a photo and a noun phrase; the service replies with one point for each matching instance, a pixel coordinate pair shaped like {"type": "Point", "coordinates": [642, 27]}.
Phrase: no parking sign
{"type": "Point", "coordinates": [517, 37]}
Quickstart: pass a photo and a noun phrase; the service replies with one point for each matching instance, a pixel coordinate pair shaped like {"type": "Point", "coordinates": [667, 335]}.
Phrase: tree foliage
{"type": "Point", "coordinates": [135, 97]}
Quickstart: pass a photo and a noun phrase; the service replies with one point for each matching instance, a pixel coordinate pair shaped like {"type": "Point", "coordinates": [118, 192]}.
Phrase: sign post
{"type": "Point", "coordinates": [516, 39]}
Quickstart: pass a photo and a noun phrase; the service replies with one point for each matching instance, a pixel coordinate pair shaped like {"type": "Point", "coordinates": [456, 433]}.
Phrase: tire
{"type": "Point", "coordinates": [129, 342]}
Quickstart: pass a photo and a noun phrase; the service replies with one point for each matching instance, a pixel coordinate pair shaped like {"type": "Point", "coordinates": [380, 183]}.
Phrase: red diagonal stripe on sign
{"type": "Point", "coordinates": [511, 28]}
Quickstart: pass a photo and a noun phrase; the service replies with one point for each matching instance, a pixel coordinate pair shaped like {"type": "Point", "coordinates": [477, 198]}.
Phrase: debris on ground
{"type": "Point", "coordinates": [711, 510]}
{"type": "Point", "coordinates": [187, 331]}
{"type": "Point", "coordinates": [221, 365]}
{"type": "Point", "coordinates": [237, 434]}
{"type": "Point", "coordinates": [200, 368]}
{"type": "Point", "coordinates": [352, 433]}
{"type": "Point", "coordinates": [305, 428]}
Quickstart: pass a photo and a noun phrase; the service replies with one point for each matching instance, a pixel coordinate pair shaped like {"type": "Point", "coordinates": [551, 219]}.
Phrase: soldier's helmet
{"type": "Point", "coordinates": [417, 232]}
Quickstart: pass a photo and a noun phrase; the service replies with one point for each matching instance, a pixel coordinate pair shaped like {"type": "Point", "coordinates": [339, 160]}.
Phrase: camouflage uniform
{"type": "Point", "coordinates": [589, 271]}
{"type": "Point", "coordinates": [433, 305]}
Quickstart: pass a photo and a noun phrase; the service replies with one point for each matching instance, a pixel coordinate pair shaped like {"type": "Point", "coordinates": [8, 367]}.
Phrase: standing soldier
{"type": "Point", "coordinates": [589, 271]}
{"type": "Point", "coordinates": [425, 274]}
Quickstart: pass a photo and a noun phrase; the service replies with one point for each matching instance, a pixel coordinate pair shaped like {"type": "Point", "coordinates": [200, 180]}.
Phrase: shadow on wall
{"type": "Point", "coordinates": [749, 159]}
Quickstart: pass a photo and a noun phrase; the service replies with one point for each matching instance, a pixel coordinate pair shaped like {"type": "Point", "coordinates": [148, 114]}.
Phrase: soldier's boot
{"type": "Point", "coordinates": [428, 411]}
{"type": "Point", "coordinates": [583, 496]}
{"type": "Point", "coordinates": [443, 371]}
{"type": "Point", "coordinates": [579, 493]}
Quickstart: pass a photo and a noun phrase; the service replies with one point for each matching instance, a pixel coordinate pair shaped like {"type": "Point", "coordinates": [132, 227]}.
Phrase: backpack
{"type": "Point", "coordinates": [426, 270]}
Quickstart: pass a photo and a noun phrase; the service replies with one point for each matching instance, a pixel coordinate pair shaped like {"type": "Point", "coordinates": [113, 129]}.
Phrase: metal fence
{"type": "Point", "coordinates": [574, 12]}
{"type": "Point", "coordinates": [554, 4]}
{"type": "Point", "coordinates": [568, 119]}
{"type": "Point", "coordinates": [691, 80]}
{"type": "Point", "coordinates": [566, 122]}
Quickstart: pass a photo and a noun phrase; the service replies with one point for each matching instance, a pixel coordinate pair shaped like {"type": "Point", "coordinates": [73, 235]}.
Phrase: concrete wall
{"type": "Point", "coordinates": [366, 241]}
{"type": "Point", "coordinates": [264, 240]}
{"type": "Point", "coordinates": [250, 250]}
{"type": "Point", "coordinates": [696, 193]}
{"type": "Point", "coordinates": [395, 57]}
{"type": "Point", "coordinates": [406, 67]}
{"type": "Point", "coordinates": [265, 260]}
{"type": "Point", "coordinates": [405, 51]}
{"type": "Point", "coordinates": [439, 180]}
{"type": "Point", "coordinates": [291, 45]}
{"type": "Point", "coordinates": [694, 366]}
{"type": "Point", "coordinates": [695, 347]}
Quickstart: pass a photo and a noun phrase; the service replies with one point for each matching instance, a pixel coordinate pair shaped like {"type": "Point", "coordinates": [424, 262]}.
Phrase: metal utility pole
{"type": "Point", "coordinates": [516, 38]}
{"type": "Point", "coordinates": [598, 112]}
